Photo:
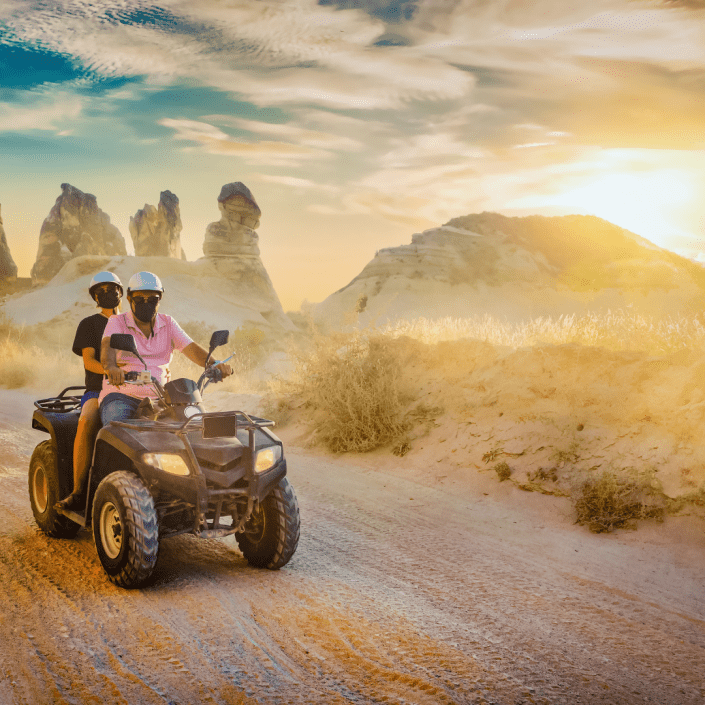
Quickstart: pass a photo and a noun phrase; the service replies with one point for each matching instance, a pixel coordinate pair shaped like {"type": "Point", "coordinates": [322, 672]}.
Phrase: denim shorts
{"type": "Point", "coordinates": [89, 395]}
{"type": "Point", "coordinates": [118, 407]}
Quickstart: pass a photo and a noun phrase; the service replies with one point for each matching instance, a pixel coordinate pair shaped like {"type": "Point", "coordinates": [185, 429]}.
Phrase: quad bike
{"type": "Point", "coordinates": [174, 469]}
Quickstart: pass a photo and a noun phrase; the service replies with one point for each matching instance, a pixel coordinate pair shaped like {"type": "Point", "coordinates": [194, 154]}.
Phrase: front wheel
{"type": "Point", "coordinates": [44, 493]}
{"type": "Point", "coordinates": [125, 529]}
{"type": "Point", "coordinates": [272, 533]}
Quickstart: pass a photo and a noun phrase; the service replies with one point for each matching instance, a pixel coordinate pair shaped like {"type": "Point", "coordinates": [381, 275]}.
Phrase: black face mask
{"type": "Point", "coordinates": [108, 299]}
{"type": "Point", "coordinates": [144, 310]}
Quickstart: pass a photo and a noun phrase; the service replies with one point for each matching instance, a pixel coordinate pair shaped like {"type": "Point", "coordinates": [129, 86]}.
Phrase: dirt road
{"type": "Point", "coordinates": [400, 592]}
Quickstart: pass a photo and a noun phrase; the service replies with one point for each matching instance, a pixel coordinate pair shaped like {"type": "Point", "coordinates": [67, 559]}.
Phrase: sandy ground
{"type": "Point", "coordinates": [407, 587]}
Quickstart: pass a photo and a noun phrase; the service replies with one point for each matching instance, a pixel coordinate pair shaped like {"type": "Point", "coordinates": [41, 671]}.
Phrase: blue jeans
{"type": "Point", "coordinates": [89, 395]}
{"type": "Point", "coordinates": [118, 407]}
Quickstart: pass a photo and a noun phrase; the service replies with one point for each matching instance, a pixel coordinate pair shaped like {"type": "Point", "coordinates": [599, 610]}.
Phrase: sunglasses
{"type": "Point", "coordinates": [152, 300]}
{"type": "Point", "coordinates": [104, 288]}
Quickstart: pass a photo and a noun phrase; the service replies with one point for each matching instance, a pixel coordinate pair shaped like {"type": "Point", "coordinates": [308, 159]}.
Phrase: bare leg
{"type": "Point", "coordinates": [88, 424]}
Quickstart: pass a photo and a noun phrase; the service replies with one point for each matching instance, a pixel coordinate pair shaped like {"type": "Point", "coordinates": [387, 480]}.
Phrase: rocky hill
{"type": "Point", "coordinates": [518, 268]}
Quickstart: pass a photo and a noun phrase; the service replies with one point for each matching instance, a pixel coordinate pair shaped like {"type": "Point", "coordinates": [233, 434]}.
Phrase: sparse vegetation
{"type": "Point", "coordinates": [609, 501]}
{"type": "Point", "coordinates": [615, 330]}
{"type": "Point", "coordinates": [504, 472]}
{"type": "Point", "coordinates": [491, 455]}
{"type": "Point", "coordinates": [248, 346]}
{"type": "Point", "coordinates": [566, 456]}
{"type": "Point", "coordinates": [543, 475]}
{"type": "Point", "coordinates": [350, 389]}
{"type": "Point", "coordinates": [24, 364]}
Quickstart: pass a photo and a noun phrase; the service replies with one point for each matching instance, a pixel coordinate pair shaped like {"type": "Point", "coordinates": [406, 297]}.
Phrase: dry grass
{"type": "Point", "coordinates": [248, 347]}
{"type": "Point", "coordinates": [25, 364]}
{"type": "Point", "coordinates": [350, 389]}
{"type": "Point", "coordinates": [615, 330]}
{"type": "Point", "coordinates": [503, 471]}
{"type": "Point", "coordinates": [610, 501]}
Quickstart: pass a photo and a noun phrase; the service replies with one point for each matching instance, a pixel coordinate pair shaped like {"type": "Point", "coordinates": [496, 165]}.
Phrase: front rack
{"type": "Point", "coordinates": [201, 526]}
{"type": "Point", "coordinates": [251, 423]}
{"type": "Point", "coordinates": [61, 404]}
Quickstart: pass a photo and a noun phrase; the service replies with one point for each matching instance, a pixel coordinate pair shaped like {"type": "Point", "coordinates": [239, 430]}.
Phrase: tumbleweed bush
{"type": "Point", "coordinates": [350, 388]}
{"type": "Point", "coordinates": [607, 502]}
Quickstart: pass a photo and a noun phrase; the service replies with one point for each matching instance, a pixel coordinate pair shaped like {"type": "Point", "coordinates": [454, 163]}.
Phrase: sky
{"type": "Point", "coordinates": [355, 123]}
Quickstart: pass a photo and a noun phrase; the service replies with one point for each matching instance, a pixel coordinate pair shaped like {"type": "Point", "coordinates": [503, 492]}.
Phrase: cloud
{"type": "Point", "coordinates": [215, 141]}
{"type": "Point", "coordinates": [297, 183]}
{"type": "Point", "coordinates": [48, 109]}
{"type": "Point", "coordinates": [479, 104]}
{"type": "Point", "coordinates": [225, 46]}
{"type": "Point", "coordinates": [289, 132]}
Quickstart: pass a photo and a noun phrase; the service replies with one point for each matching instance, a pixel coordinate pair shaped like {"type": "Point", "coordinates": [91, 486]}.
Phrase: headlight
{"type": "Point", "coordinates": [267, 457]}
{"type": "Point", "coordinates": [173, 464]}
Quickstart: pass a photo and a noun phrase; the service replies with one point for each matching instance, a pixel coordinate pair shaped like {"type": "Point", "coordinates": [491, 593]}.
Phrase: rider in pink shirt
{"type": "Point", "coordinates": [156, 350]}
{"type": "Point", "coordinates": [156, 337]}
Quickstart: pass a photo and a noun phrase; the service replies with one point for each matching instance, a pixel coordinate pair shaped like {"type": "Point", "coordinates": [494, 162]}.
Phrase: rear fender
{"type": "Point", "coordinates": [62, 429]}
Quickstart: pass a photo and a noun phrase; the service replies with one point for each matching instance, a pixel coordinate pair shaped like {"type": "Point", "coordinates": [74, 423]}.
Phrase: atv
{"type": "Point", "coordinates": [173, 469]}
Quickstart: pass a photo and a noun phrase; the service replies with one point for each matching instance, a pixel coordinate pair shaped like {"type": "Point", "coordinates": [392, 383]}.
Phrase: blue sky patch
{"type": "Point", "coordinates": [21, 67]}
{"type": "Point", "coordinates": [392, 11]}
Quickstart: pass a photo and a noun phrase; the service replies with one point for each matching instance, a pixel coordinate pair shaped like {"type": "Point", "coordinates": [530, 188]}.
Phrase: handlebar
{"type": "Point", "coordinates": [139, 377]}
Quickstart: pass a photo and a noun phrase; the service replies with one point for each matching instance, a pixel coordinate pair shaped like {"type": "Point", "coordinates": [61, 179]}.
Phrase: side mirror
{"type": "Point", "coordinates": [126, 342]}
{"type": "Point", "coordinates": [123, 341]}
{"type": "Point", "coordinates": [220, 337]}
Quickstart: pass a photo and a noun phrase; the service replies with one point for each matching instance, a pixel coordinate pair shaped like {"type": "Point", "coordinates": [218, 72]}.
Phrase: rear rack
{"type": "Point", "coordinates": [61, 404]}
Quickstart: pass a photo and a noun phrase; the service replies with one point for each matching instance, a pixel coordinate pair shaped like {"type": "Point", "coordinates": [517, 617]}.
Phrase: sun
{"type": "Point", "coordinates": [647, 203]}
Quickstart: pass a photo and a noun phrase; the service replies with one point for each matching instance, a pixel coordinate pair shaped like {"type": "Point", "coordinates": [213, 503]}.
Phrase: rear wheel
{"type": "Point", "coordinates": [44, 493]}
{"type": "Point", "coordinates": [272, 533]}
{"type": "Point", "coordinates": [125, 529]}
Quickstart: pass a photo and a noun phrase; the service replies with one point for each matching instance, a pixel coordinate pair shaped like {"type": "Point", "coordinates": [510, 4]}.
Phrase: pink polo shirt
{"type": "Point", "coordinates": [157, 351]}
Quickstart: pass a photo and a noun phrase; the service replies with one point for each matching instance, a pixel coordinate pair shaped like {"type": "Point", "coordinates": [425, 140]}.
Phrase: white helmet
{"type": "Point", "coordinates": [144, 281]}
{"type": "Point", "coordinates": [104, 278]}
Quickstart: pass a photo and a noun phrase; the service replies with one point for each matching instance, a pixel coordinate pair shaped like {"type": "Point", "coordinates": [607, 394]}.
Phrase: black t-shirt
{"type": "Point", "coordinates": [88, 335]}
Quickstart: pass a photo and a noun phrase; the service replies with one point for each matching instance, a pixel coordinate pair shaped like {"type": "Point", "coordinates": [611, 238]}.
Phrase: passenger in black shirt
{"type": "Point", "coordinates": [106, 290]}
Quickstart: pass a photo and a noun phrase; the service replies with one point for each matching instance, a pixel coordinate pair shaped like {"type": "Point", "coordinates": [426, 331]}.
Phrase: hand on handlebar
{"type": "Point", "coordinates": [225, 369]}
{"type": "Point", "coordinates": [115, 375]}
{"type": "Point", "coordinates": [216, 373]}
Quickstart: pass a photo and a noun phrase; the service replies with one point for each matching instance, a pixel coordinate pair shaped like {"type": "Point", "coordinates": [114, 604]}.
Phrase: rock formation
{"type": "Point", "coordinates": [230, 249]}
{"type": "Point", "coordinates": [234, 234]}
{"type": "Point", "coordinates": [156, 231]}
{"type": "Point", "coordinates": [74, 227]}
{"type": "Point", "coordinates": [8, 268]}
{"type": "Point", "coordinates": [518, 268]}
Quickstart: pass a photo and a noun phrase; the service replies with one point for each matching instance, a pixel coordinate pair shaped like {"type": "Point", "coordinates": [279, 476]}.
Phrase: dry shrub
{"type": "Point", "coordinates": [608, 502]}
{"type": "Point", "coordinates": [248, 347]}
{"type": "Point", "coordinates": [503, 471]}
{"type": "Point", "coordinates": [23, 364]}
{"type": "Point", "coordinates": [350, 387]}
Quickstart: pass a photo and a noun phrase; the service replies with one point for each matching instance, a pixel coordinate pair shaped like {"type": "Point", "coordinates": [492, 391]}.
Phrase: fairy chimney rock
{"type": "Point", "coordinates": [156, 231]}
{"type": "Point", "coordinates": [234, 234]}
{"type": "Point", "coordinates": [8, 268]}
{"type": "Point", "coordinates": [75, 226]}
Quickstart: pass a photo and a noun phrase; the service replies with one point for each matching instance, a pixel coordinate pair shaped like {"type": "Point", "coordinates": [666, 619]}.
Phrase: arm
{"type": "Point", "coordinates": [197, 354]}
{"type": "Point", "coordinates": [108, 359]}
{"type": "Point", "coordinates": [90, 362]}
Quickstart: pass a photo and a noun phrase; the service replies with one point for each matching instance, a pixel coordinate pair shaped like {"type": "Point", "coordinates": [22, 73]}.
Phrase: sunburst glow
{"type": "Point", "coordinates": [644, 203]}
